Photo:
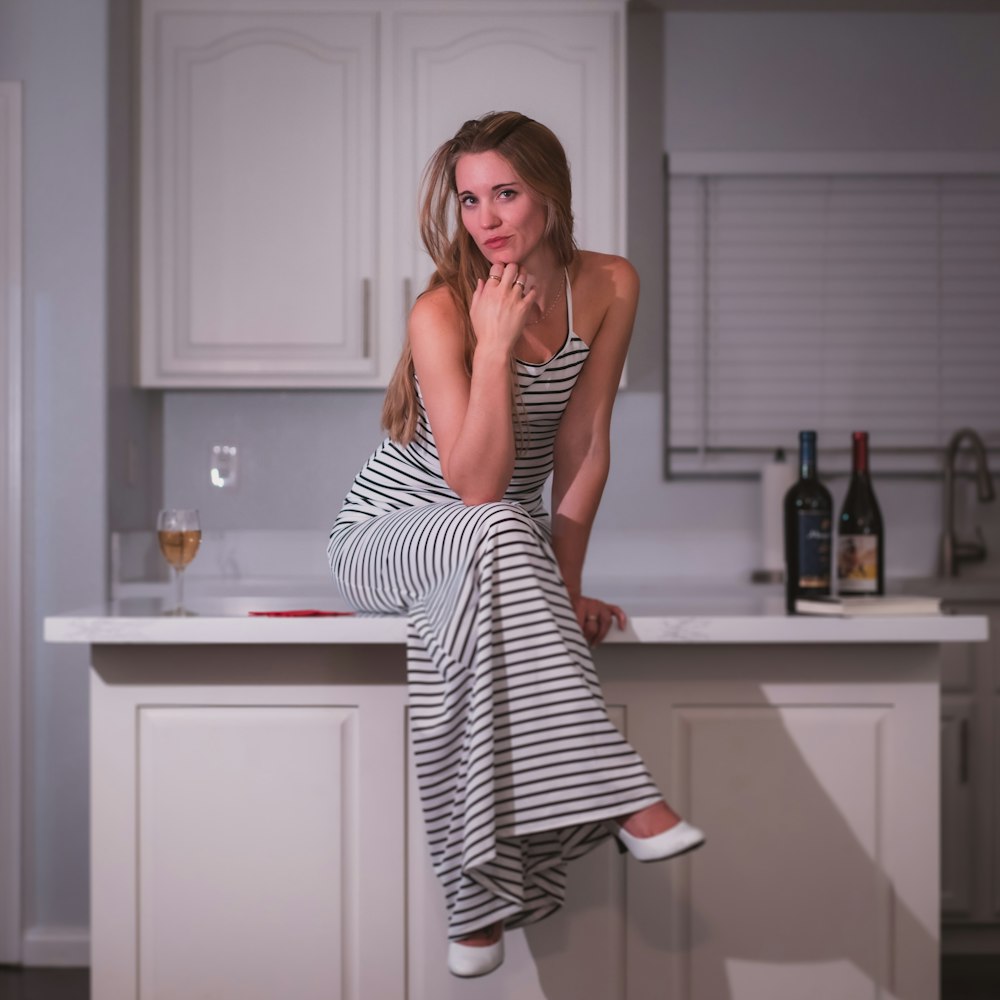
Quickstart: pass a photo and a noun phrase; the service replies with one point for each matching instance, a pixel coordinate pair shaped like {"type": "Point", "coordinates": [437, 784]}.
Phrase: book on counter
{"type": "Point", "coordinates": [850, 607]}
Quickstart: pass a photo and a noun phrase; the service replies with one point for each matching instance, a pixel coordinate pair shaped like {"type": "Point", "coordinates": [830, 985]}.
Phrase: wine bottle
{"type": "Point", "coordinates": [808, 529]}
{"type": "Point", "coordinates": [860, 537]}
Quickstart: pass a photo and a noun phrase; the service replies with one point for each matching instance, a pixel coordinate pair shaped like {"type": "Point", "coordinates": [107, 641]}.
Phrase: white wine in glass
{"type": "Point", "coordinates": [178, 531]}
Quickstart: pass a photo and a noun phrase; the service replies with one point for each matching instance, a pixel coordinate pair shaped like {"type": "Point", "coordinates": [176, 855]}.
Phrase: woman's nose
{"type": "Point", "coordinates": [488, 218]}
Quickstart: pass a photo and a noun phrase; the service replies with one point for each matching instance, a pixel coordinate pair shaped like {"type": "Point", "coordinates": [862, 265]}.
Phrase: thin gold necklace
{"type": "Point", "coordinates": [552, 306]}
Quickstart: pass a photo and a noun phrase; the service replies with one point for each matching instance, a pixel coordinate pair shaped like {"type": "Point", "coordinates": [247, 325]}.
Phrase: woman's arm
{"type": "Point", "coordinates": [583, 444]}
{"type": "Point", "coordinates": [470, 415]}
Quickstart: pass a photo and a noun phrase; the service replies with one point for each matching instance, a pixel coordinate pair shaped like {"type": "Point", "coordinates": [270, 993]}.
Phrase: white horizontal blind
{"type": "Point", "coordinates": [834, 303]}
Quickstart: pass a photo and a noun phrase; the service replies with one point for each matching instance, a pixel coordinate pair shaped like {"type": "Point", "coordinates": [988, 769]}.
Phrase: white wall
{"type": "Point", "coordinates": [732, 81]}
{"type": "Point", "coordinates": [58, 48]}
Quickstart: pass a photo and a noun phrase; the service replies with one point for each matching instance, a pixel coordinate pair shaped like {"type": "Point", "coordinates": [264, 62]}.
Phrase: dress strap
{"type": "Point", "coordinates": [569, 300]}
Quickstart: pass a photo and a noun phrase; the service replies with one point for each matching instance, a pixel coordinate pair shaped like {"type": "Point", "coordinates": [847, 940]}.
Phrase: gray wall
{"type": "Point", "coordinates": [778, 81]}
{"type": "Point", "coordinates": [733, 81]}
{"type": "Point", "coordinates": [59, 49]}
{"type": "Point", "coordinates": [698, 82]}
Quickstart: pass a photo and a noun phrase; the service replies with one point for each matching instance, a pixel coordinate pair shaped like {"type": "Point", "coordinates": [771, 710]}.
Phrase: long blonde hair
{"type": "Point", "coordinates": [540, 162]}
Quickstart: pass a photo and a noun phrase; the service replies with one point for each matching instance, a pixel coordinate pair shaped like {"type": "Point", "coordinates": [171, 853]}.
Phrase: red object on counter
{"type": "Point", "coordinates": [305, 613]}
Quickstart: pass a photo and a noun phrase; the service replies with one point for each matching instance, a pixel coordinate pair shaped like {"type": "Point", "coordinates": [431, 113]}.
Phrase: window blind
{"type": "Point", "coordinates": [834, 303]}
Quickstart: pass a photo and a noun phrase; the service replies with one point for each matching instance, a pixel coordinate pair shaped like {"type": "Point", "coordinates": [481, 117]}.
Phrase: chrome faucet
{"type": "Point", "coordinates": [954, 551]}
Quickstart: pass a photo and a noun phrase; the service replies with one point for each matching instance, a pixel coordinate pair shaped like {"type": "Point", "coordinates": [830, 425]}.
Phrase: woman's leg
{"type": "Point", "coordinates": [517, 761]}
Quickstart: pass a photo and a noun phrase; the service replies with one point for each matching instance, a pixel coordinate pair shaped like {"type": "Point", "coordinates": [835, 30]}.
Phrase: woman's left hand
{"type": "Point", "coordinates": [595, 617]}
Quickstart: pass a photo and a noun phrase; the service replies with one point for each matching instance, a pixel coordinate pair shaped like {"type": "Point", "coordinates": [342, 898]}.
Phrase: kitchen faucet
{"type": "Point", "coordinates": [954, 551]}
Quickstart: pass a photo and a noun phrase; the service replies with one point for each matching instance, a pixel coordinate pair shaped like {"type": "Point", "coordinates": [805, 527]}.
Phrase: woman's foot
{"type": "Point", "coordinates": [656, 833]}
{"type": "Point", "coordinates": [650, 821]}
{"type": "Point", "coordinates": [477, 954]}
{"type": "Point", "coordinates": [485, 937]}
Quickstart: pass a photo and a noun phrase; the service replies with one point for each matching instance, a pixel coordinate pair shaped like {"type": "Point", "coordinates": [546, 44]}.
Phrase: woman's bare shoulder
{"type": "Point", "coordinates": [605, 270]}
{"type": "Point", "coordinates": [435, 303]}
{"type": "Point", "coordinates": [603, 284]}
{"type": "Point", "coordinates": [435, 312]}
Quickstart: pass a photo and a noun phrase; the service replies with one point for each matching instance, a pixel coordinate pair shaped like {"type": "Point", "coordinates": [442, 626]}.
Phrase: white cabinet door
{"type": "Point", "coordinates": [564, 70]}
{"type": "Point", "coordinates": [991, 668]}
{"type": "Point", "coordinates": [959, 787]}
{"type": "Point", "coordinates": [815, 799]}
{"type": "Point", "coordinates": [281, 151]}
{"type": "Point", "coordinates": [970, 802]}
{"type": "Point", "coordinates": [258, 219]}
{"type": "Point", "coordinates": [246, 831]}
{"type": "Point", "coordinates": [249, 809]}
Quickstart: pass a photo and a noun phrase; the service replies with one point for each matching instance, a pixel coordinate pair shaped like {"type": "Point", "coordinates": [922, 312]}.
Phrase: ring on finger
{"type": "Point", "coordinates": [495, 277]}
{"type": "Point", "coordinates": [520, 282]}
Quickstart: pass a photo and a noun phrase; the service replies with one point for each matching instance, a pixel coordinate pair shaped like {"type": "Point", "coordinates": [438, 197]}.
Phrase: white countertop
{"type": "Point", "coordinates": [675, 613]}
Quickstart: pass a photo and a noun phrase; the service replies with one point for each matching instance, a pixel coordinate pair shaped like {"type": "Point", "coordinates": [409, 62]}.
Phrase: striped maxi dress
{"type": "Point", "coordinates": [518, 764]}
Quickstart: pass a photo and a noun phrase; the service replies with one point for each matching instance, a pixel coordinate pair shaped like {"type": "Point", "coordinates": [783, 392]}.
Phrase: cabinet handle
{"type": "Point", "coordinates": [963, 752]}
{"type": "Point", "coordinates": [407, 300]}
{"type": "Point", "coordinates": [366, 317]}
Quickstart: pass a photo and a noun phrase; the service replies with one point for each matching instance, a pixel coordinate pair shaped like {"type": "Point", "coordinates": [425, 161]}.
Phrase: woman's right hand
{"type": "Point", "coordinates": [470, 413]}
{"type": "Point", "coordinates": [500, 306]}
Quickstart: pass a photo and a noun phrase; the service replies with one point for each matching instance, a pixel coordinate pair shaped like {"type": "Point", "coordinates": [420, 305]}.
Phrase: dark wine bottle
{"type": "Point", "coordinates": [860, 537]}
{"type": "Point", "coordinates": [808, 529]}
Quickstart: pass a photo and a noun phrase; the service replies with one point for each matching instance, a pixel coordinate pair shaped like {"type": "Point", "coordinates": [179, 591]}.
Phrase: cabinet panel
{"type": "Point", "coordinates": [258, 249]}
{"type": "Point", "coordinates": [564, 71]}
{"type": "Point", "coordinates": [970, 758]}
{"type": "Point", "coordinates": [246, 829]}
{"type": "Point", "coordinates": [958, 667]}
{"type": "Point", "coordinates": [991, 779]}
{"type": "Point", "coordinates": [800, 790]}
{"type": "Point", "coordinates": [250, 811]}
{"type": "Point", "coordinates": [250, 807]}
{"type": "Point", "coordinates": [990, 650]}
{"type": "Point", "coordinates": [957, 797]}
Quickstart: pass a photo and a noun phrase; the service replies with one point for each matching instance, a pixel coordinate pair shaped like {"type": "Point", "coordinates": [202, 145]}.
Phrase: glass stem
{"type": "Point", "coordinates": [180, 590]}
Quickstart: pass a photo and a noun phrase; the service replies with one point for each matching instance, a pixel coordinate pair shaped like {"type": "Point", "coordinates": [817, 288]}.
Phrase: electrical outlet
{"type": "Point", "coordinates": [225, 466]}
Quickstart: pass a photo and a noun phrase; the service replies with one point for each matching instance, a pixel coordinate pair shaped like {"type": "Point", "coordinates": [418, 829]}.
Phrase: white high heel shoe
{"type": "Point", "coordinates": [467, 960]}
{"type": "Point", "coordinates": [679, 839]}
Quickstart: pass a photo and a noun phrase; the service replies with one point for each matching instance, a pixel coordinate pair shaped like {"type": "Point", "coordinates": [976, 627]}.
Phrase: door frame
{"type": "Point", "coordinates": [11, 385]}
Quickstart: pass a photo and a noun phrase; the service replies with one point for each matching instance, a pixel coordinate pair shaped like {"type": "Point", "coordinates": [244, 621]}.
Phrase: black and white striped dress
{"type": "Point", "coordinates": [517, 761]}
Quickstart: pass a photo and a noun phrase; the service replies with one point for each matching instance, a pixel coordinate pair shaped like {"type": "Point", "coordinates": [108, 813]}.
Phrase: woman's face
{"type": "Point", "coordinates": [501, 213]}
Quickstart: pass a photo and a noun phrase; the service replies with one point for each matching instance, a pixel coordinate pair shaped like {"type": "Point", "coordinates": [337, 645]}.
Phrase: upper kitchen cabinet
{"type": "Point", "coordinates": [258, 235]}
{"type": "Point", "coordinates": [281, 151]}
{"type": "Point", "coordinates": [563, 69]}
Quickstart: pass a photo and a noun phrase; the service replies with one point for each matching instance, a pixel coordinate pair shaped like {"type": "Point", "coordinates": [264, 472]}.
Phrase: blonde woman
{"type": "Point", "coordinates": [512, 361]}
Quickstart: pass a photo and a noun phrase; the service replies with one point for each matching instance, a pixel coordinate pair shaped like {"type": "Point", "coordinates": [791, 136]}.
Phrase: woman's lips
{"type": "Point", "coordinates": [496, 242]}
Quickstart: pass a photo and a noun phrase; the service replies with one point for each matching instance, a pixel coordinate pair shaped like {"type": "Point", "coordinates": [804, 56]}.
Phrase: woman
{"type": "Point", "coordinates": [512, 362]}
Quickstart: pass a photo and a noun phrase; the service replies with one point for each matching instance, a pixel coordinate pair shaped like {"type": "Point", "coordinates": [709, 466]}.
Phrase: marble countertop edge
{"type": "Point", "coordinates": [143, 626]}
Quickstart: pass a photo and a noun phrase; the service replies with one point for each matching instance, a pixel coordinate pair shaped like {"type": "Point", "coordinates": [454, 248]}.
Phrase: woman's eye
{"type": "Point", "coordinates": [507, 194]}
{"type": "Point", "coordinates": [468, 200]}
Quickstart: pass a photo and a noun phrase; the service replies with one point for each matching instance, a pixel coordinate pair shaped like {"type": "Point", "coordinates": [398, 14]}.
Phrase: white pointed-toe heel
{"type": "Point", "coordinates": [679, 839]}
{"type": "Point", "coordinates": [467, 960]}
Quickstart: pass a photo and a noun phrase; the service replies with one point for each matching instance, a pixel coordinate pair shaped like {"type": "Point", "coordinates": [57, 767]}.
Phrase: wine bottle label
{"type": "Point", "coordinates": [857, 564]}
{"type": "Point", "coordinates": [815, 529]}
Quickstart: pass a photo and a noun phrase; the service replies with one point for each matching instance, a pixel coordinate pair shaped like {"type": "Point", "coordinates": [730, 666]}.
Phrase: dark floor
{"type": "Point", "coordinates": [970, 977]}
{"type": "Point", "coordinates": [43, 984]}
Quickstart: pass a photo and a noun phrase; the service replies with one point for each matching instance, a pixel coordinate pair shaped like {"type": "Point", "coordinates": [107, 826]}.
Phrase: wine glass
{"type": "Point", "coordinates": [178, 531]}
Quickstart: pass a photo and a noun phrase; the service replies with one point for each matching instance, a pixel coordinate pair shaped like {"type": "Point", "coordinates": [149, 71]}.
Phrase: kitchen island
{"type": "Point", "coordinates": [255, 829]}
